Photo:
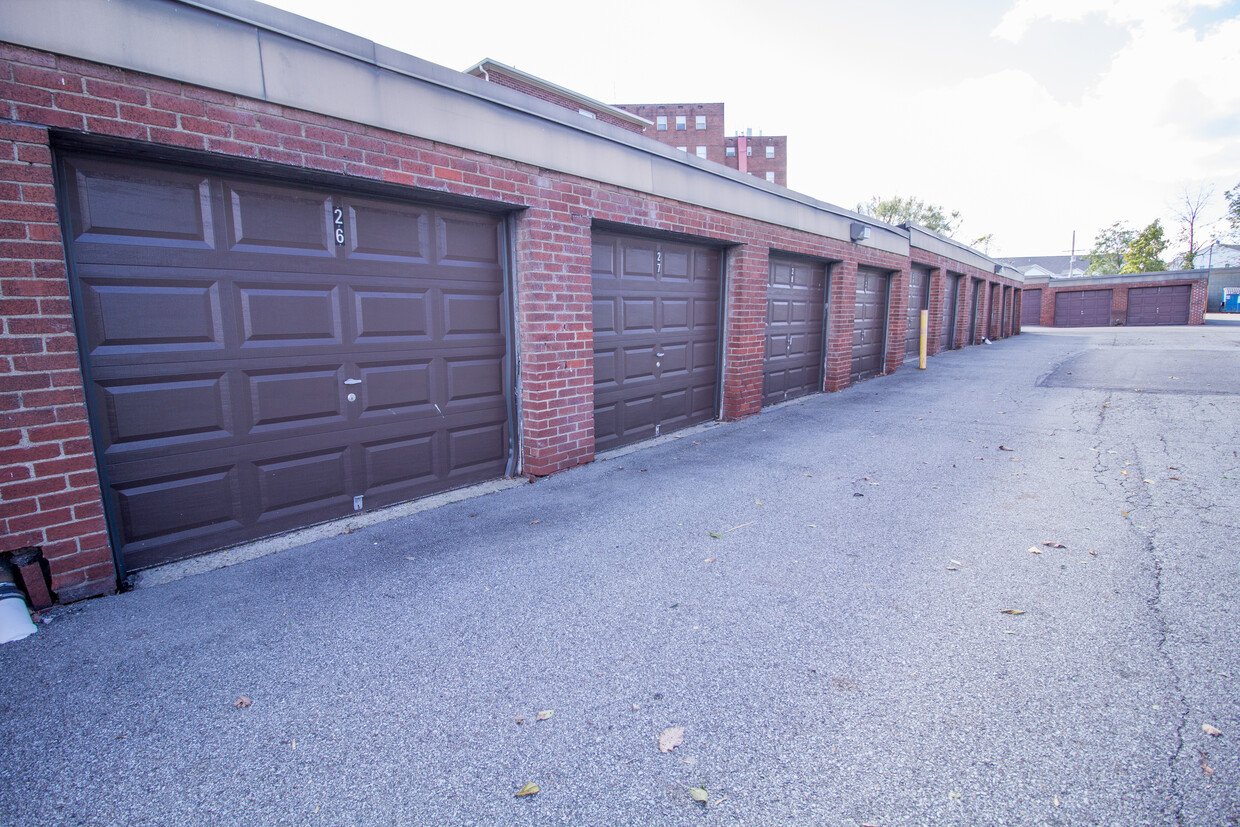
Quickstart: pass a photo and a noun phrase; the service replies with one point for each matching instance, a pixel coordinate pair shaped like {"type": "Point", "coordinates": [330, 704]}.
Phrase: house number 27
{"type": "Point", "coordinates": [338, 214]}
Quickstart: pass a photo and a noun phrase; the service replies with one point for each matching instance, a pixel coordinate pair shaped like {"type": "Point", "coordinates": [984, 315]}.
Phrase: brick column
{"type": "Point", "coordinates": [49, 487]}
{"type": "Point", "coordinates": [556, 339]}
{"type": "Point", "coordinates": [897, 318]}
{"type": "Point", "coordinates": [744, 349]}
{"type": "Point", "coordinates": [841, 318]}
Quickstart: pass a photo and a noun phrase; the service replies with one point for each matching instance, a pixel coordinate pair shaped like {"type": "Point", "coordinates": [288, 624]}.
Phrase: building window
{"type": "Point", "coordinates": [770, 176]}
{"type": "Point", "coordinates": [731, 152]}
{"type": "Point", "coordinates": [701, 121]}
{"type": "Point", "coordinates": [749, 150]}
{"type": "Point", "coordinates": [683, 148]}
{"type": "Point", "coordinates": [770, 152]}
{"type": "Point", "coordinates": [680, 122]}
{"type": "Point", "coordinates": [701, 152]}
{"type": "Point", "coordinates": [660, 123]}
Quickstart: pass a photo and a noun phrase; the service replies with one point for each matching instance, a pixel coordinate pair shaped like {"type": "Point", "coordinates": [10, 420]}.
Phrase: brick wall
{"type": "Point", "coordinates": [49, 488]}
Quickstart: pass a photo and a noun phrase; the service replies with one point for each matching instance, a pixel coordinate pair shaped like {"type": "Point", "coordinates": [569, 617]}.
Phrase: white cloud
{"type": "Point", "coordinates": [1129, 13]}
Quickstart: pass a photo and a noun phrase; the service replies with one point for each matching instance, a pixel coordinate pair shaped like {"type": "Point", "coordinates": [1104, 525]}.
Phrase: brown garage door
{"type": "Point", "coordinates": [263, 356]}
{"type": "Point", "coordinates": [947, 332]}
{"type": "Point", "coordinates": [1083, 308]}
{"type": "Point", "coordinates": [656, 337]}
{"type": "Point", "coordinates": [918, 300]}
{"type": "Point", "coordinates": [870, 329]}
{"type": "Point", "coordinates": [795, 308]}
{"type": "Point", "coordinates": [1159, 305]}
{"type": "Point", "coordinates": [1030, 307]}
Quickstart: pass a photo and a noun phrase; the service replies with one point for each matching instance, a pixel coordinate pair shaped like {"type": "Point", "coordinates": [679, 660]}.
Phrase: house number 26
{"type": "Point", "coordinates": [338, 214]}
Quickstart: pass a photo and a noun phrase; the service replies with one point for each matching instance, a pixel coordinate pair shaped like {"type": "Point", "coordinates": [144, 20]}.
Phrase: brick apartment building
{"type": "Point", "coordinates": [257, 273]}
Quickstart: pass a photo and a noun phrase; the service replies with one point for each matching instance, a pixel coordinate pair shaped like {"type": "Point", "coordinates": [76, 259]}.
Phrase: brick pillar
{"type": "Point", "coordinates": [934, 310]}
{"type": "Point", "coordinates": [897, 318]}
{"type": "Point", "coordinates": [841, 317]}
{"type": "Point", "coordinates": [49, 487]}
{"type": "Point", "coordinates": [556, 340]}
{"type": "Point", "coordinates": [745, 346]}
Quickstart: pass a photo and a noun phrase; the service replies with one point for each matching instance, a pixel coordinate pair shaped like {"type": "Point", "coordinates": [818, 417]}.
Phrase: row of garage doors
{"type": "Point", "coordinates": [262, 356]}
{"type": "Point", "coordinates": [1160, 305]}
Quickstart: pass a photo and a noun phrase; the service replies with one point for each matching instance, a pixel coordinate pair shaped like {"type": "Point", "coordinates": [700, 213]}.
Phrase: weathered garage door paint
{"type": "Point", "coordinates": [795, 309]}
{"type": "Point", "coordinates": [1083, 308]}
{"type": "Point", "coordinates": [870, 329]}
{"type": "Point", "coordinates": [656, 337]}
{"type": "Point", "coordinates": [918, 300]}
{"type": "Point", "coordinates": [1030, 307]}
{"type": "Point", "coordinates": [947, 331]}
{"type": "Point", "coordinates": [1159, 305]}
{"type": "Point", "coordinates": [264, 356]}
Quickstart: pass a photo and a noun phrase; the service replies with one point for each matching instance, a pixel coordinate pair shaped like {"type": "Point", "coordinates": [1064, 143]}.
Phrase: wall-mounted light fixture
{"type": "Point", "coordinates": [858, 231]}
{"type": "Point", "coordinates": [998, 269]}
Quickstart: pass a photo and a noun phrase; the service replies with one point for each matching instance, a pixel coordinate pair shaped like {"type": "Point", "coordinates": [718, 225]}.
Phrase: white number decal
{"type": "Point", "coordinates": [339, 216]}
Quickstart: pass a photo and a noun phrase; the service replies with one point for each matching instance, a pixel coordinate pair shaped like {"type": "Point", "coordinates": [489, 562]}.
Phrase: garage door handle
{"type": "Point", "coordinates": [660, 355]}
{"type": "Point", "coordinates": [353, 381]}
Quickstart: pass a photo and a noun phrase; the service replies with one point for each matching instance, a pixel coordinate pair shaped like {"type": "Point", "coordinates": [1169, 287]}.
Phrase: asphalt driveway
{"type": "Point", "coordinates": [816, 595]}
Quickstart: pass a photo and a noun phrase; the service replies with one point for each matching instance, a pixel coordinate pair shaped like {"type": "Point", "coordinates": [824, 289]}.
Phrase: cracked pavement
{"type": "Point", "coordinates": [838, 654]}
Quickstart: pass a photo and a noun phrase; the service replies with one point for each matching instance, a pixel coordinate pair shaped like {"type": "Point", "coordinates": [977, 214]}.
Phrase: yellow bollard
{"type": "Point", "coordinates": [925, 321]}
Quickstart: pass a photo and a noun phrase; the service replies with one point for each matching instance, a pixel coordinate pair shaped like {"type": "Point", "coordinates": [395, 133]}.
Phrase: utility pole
{"type": "Point", "coordinates": [1072, 258]}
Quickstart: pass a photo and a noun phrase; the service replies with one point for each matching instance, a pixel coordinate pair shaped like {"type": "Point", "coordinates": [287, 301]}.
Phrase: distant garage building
{"type": "Point", "coordinates": [1139, 299]}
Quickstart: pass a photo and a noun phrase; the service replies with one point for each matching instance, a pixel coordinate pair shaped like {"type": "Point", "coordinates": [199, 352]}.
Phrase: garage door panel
{"type": "Point", "coordinates": [395, 388]}
{"type": "Point", "coordinates": [117, 204]}
{"type": "Point", "coordinates": [295, 313]}
{"type": "Point", "coordinates": [676, 262]}
{"type": "Point", "coordinates": [178, 503]}
{"type": "Point", "coordinates": [390, 316]}
{"type": "Point", "coordinates": [379, 231]}
{"type": "Point", "coordinates": [279, 220]}
{"type": "Point", "coordinates": [145, 314]}
{"type": "Point", "coordinates": [706, 310]}
{"type": "Point", "coordinates": [468, 240]}
{"type": "Point", "coordinates": [221, 372]}
{"type": "Point", "coordinates": [638, 362]}
{"type": "Point", "coordinates": [675, 314]}
{"type": "Point", "coordinates": [302, 480]}
{"type": "Point", "coordinates": [639, 259]}
{"type": "Point", "coordinates": [160, 413]}
{"type": "Point", "coordinates": [639, 314]}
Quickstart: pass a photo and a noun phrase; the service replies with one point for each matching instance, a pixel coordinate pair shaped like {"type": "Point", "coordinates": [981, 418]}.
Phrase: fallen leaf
{"type": "Point", "coordinates": [1177, 479]}
{"type": "Point", "coordinates": [716, 536]}
{"type": "Point", "coordinates": [535, 522]}
{"type": "Point", "coordinates": [520, 719]}
{"type": "Point", "coordinates": [807, 475]}
{"type": "Point", "coordinates": [742, 525]}
{"type": "Point", "coordinates": [545, 714]}
{"type": "Point", "coordinates": [636, 708]}
{"type": "Point", "coordinates": [530, 788]}
{"type": "Point", "coordinates": [958, 563]}
{"type": "Point", "coordinates": [671, 738]}
{"type": "Point", "coordinates": [1148, 482]}
{"type": "Point", "coordinates": [953, 568]}
{"type": "Point", "coordinates": [709, 560]}
{"type": "Point", "coordinates": [1210, 730]}
{"type": "Point", "coordinates": [1034, 550]}
{"type": "Point", "coordinates": [1053, 544]}
{"type": "Point", "coordinates": [1125, 473]}
{"type": "Point", "coordinates": [758, 502]}
{"type": "Point", "coordinates": [242, 702]}
{"type": "Point", "coordinates": [1055, 800]}
{"type": "Point", "coordinates": [955, 795]}
{"type": "Point", "coordinates": [1005, 448]}
{"type": "Point", "coordinates": [1012, 611]}
{"type": "Point", "coordinates": [1206, 769]}
{"type": "Point", "coordinates": [698, 794]}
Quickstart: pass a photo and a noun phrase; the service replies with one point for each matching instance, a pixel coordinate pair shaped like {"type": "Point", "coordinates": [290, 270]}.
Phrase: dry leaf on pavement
{"type": "Point", "coordinates": [1012, 611]}
{"type": "Point", "coordinates": [1053, 544]}
{"type": "Point", "coordinates": [1211, 730]}
{"type": "Point", "coordinates": [545, 714]}
{"type": "Point", "coordinates": [671, 738]}
{"type": "Point", "coordinates": [242, 702]}
{"type": "Point", "coordinates": [530, 788]}
{"type": "Point", "coordinates": [698, 794]}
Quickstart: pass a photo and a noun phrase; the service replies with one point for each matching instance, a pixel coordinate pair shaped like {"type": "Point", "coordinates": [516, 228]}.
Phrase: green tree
{"type": "Point", "coordinates": [1233, 210]}
{"type": "Point", "coordinates": [1107, 256]}
{"type": "Point", "coordinates": [899, 210]}
{"type": "Point", "coordinates": [1144, 253]}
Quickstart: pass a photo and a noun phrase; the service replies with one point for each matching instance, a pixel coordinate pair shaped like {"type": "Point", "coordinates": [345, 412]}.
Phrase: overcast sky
{"type": "Point", "coordinates": [1034, 118]}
